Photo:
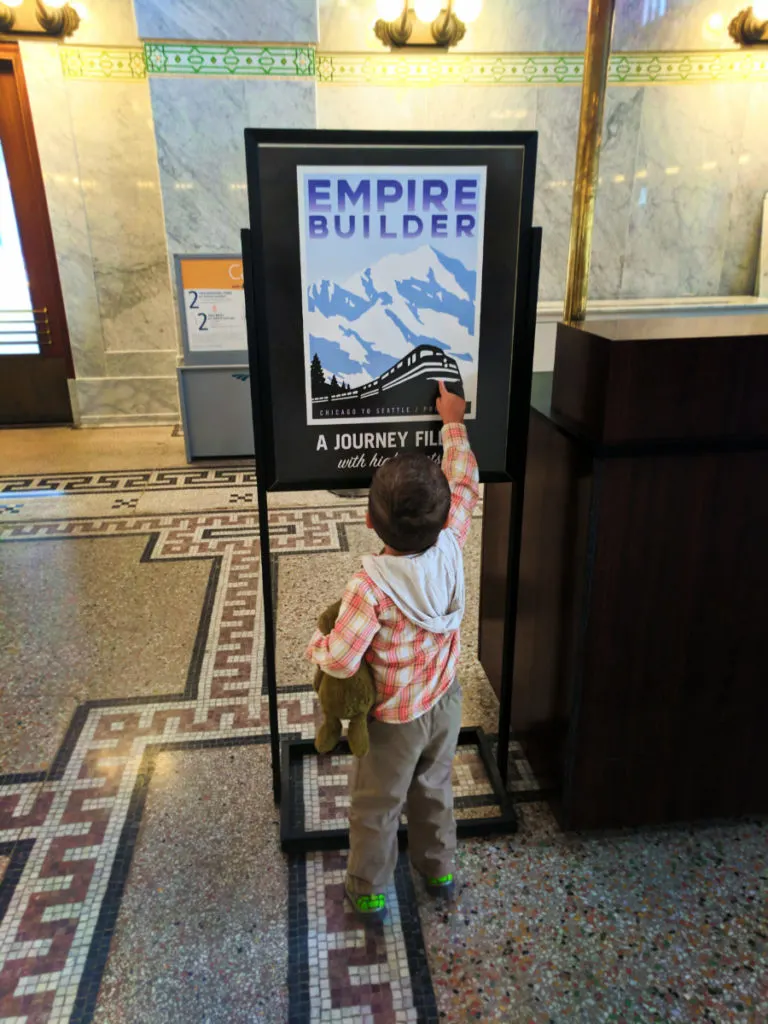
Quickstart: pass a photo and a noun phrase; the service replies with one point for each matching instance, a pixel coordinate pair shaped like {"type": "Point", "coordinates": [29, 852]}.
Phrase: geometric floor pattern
{"type": "Point", "coordinates": [74, 830]}
{"type": "Point", "coordinates": [661, 926]}
{"type": "Point", "coordinates": [70, 833]}
{"type": "Point", "coordinates": [320, 789]}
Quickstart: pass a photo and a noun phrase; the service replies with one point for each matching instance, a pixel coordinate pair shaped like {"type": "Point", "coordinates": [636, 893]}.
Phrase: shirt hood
{"type": "Point", "coordinates": [427, 588]}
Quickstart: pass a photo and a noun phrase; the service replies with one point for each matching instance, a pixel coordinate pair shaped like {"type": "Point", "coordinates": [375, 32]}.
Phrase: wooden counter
{"type": "Point", "coordinates": [641, 670]}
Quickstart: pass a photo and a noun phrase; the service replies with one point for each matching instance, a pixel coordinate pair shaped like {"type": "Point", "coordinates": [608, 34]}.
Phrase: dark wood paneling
{"type": "Point", "coordinates": [675, 380]}
{"type": "Point", "coordinates": [497, 518]}
{"type": "Point", "coordinates": [642, 651]}
{"type": "Point", "coordinates": [580, 379]}
{"type": "Point", "coordinates": [676, 653]}
{"type": "Point", "coordinates": [31, 383]}
{"type": "Point", "coordinates": [551, 575]}
{"type": "Point", "coordinates": [552, 580]}
{"type": "Point", "coordinates": [553, 551]}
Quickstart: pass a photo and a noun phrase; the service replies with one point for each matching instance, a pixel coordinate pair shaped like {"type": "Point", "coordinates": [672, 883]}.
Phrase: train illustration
{"type": "Point", "coordinates": [409, 388]}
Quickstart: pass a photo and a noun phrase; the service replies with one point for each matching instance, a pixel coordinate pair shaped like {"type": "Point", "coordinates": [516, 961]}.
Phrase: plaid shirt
{"type": "Point", "coordinates": [411, 667]}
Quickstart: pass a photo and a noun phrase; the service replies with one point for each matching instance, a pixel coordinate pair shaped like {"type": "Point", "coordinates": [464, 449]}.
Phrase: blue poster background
{"type": "Point", "coordinates": [391, 263]}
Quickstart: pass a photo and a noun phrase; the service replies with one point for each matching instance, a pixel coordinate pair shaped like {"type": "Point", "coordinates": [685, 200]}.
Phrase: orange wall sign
{"type": "Point", "coordinates": [211, 272]}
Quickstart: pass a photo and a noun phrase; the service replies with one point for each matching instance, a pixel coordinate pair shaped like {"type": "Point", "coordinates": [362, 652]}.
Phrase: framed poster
{"type": "Point", "coordinates": [212, 305]}
{"type": "Point", "coordinates": [391, 301]}
{"type": "Point", "coordinates": [382, 263]}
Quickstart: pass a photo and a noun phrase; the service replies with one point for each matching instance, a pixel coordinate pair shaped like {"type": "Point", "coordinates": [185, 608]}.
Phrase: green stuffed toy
{"type": "Point", "coordinates": [349, 698]}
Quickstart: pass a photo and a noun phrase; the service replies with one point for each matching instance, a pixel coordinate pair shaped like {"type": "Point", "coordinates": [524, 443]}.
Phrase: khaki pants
{"type": "Point", "coordinates": [411, 763]}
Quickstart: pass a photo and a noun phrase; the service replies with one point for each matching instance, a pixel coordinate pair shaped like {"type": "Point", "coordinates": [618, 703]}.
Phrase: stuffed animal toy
{"type": "Point", "coordinates": [343, 698]}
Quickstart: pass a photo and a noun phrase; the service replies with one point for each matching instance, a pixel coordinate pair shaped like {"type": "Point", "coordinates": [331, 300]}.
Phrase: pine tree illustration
{"type": "Point", "coordinates": [317, 378]}
{"type": "Point", "coordinates": [334, 385]}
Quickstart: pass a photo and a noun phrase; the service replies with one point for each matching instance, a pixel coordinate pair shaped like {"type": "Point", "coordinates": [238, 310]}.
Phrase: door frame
{"type": "Point", "coordinates": [42, 267]}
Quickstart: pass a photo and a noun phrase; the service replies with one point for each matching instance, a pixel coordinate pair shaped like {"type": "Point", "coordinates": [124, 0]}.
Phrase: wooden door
{"type": "Point", "coordinates": [35, 359]}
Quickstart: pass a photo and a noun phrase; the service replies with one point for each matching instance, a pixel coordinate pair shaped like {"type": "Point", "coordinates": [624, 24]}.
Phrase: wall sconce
{"type": "Point", "coordinates": [750, 26]}
{"type": "Point", "coordinates": [34, 18]}
{"type": "Point", "coordinates": [424, 22]}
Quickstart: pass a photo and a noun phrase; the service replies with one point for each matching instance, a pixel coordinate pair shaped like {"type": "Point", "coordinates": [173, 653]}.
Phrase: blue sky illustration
{"type": "Point", "coordinates": [332, 263]}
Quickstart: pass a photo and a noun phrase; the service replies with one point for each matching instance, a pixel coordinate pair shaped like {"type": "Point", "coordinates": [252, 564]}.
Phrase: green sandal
{"type": "Point", "coordinates": [442, 888]}
{"type": "Point", "coordinates": [371, 907]}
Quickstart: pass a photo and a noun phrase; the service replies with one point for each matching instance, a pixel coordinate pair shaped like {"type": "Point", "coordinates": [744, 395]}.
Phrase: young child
{"type": "Point", "coordinates": [402, 613]}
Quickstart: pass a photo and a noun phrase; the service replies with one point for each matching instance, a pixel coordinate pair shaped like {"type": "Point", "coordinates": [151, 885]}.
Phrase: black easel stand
{"type": "Point", "coordinates": [288, 757]}
{"type": "Point", "coordinates": [521, 402]}
{"type": "Point", "coordinates": [270, 669]}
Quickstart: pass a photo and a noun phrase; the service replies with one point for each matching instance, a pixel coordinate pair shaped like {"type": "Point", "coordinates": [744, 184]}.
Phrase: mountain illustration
{"type": "Point", "coordinates": [361, 327]}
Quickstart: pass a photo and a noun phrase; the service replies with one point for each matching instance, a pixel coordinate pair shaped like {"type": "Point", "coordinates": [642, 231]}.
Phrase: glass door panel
{"type": "Point", "coordinates": [18, 333]}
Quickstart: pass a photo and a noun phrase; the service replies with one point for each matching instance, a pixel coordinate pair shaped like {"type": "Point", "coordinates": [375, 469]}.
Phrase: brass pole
{"type": "Point", "coordinates": [596, 57]}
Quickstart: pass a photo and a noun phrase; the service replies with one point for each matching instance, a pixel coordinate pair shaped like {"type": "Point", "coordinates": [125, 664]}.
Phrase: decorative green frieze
{"type": "Point", "coordinates": [678, 67]}
{"type": "Point", "coordinates": [407, 69]}
{"type": "Point", "coordinates": [222, 59]}
{"type": "Point", "coordinates": [120, 63]}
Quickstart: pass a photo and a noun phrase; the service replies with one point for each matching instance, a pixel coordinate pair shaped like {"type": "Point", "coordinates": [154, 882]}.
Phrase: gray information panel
{"type": "Point", "coordinates": [209, 291]}
{"type": "Point", "coordinates": [216, 411]}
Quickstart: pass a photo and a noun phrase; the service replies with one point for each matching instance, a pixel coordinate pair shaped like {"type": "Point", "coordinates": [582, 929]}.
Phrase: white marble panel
{"type": "Point", "coordinates": [141, 364]}
{"type": "Point", "coordinates": [106, 23]}
{"type": "Point", "coordinates": [618, 153]}
{"type": "Point", "coordinates": [742, 242]}
{"type": "Point", "coordinates": [199, 125]}
{"type": "Point", "coordinates": [127, 399]}
{"type": "Point", "coordinates": [119, 178]}
{"type": "Point", "coordinates": [199, 130]}
{"type": "Point", "coordinates": [272, 103]}
{"type": "Point", "coordinates": [514, 26]}
{"type": "Point", "coordinates": [673, 25]}
{"type": "Point", "coordinates": [480, 108]}
{"type": "Point", "coordinates": [236, 20]}
{"type": "Point", "coordinates": [430, 108]}
{"type": "Point", "coordinates": [347, 25]}
{"type": "Point", "coordinates": [376, 107]}
{"type": "Point", "coordinates": [520, 26]}
{"type": "Point", "coordinates": [690, 142]}
{"type": "Point", "coordinates": [55, 138]}
{"type": "Point", "coordinates": [557, 119]}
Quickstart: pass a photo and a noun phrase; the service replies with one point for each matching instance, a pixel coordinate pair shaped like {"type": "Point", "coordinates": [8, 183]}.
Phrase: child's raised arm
{"type": "Point", "coordinates": [459, 464]}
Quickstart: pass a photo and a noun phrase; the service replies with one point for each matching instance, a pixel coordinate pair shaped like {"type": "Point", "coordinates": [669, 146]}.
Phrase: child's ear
{"type": "Point", "coordinates": [368, 522]}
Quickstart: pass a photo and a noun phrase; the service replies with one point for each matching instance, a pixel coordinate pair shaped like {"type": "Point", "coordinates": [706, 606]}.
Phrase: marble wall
{"type": "Point", "coordinates": [291, 21]}
{"type": "Point", "coordinates": [199, 125]}
{"type": "Point", "coordinates": [683, 169]}
{"type": "Point", "coordinates": [522, 26]}
{"type": "Point", "coordinates": [648, 229]}
{"type": "Point", "coordinates": [683, 174]}
{"type": "Point", "coordinates": [138, 171]}
{"type": "Point", "coordinates": [99, 161]}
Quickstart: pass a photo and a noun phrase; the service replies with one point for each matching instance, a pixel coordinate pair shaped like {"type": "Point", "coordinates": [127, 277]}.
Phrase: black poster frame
{"type": "Point", "coordinates": [369, 143]}
{"type": "Point", "coordinates": [528, 260]}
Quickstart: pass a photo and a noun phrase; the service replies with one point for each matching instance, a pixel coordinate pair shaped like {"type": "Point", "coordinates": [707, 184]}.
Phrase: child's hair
{"type": "Point", "coordinates": [409, 502]}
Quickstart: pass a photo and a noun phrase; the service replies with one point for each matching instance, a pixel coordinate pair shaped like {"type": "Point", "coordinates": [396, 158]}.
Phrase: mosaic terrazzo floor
{"type": "Point", "coordinates": [141, 874]}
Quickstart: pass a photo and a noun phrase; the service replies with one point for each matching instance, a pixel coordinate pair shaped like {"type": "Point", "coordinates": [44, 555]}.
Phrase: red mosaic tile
{"type": "Point", "coordinates": [35, 816]}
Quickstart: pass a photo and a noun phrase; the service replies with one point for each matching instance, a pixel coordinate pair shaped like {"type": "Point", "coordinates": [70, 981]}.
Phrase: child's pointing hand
{"type": "Point", "coordinates": [449, 406]}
